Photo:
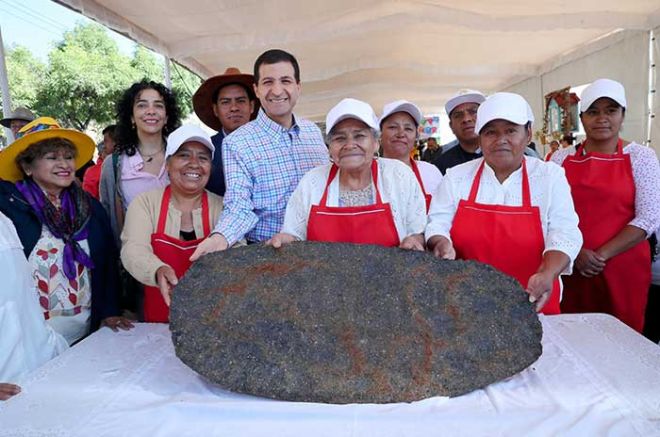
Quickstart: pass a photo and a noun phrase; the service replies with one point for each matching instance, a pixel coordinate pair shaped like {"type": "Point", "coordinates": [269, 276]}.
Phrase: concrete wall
{"type": "Point", "coordinates": [623, 57]}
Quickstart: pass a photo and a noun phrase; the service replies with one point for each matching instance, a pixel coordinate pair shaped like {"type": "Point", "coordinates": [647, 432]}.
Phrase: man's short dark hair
{"type": "Point", "coordinates": [569, 138]}
{"type": "Point", "coordinates": [216, 93]}
{"type": "Point", "coordinates": [273, 56]}
{"type": "Point", "coordinates": [110, 130]}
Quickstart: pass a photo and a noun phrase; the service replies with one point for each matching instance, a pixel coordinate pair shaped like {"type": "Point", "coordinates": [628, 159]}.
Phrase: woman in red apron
{"type": "Point", "coordinates": [398, 138]}
{"type": "Point", "coordinates": [506, 234]}
{"type": "Point", "coordinates": [617, 210]}
{"type": "Point", "coordinates": [163, 227]}
{"type": "Point", "coordinates": [554, 146]}
{"type": "Point", "coordinates": [345, 201]}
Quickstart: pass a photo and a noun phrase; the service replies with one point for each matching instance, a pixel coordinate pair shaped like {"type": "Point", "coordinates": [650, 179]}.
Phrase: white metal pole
{"type": "Point", "coordinates": [168, 77]}
{"type": "Point", "coordinates": [4, 86]}
{"type": "Point", "coordinates": [651, 98]}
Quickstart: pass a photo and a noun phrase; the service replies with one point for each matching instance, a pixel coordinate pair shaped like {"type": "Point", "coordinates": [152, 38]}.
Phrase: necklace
{"type": "Point", "coordinates": [150, 157]}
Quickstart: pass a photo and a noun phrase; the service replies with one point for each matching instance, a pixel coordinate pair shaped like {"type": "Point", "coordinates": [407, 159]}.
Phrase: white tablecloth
{"type": "Point", "coordinates": [595, 377]}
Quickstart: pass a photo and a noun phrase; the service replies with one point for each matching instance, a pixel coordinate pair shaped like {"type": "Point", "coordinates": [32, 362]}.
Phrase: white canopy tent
{"type": "Point", "coordinates": [423, 51]}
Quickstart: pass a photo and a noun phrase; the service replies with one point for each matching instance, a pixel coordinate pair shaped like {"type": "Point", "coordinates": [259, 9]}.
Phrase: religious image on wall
{"type": "Point", "coordinates": [561, 112]}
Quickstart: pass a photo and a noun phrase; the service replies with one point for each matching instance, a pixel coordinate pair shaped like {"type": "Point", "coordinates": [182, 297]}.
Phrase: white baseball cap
{"type": "Point", "coordinates": [504, 106]}
{"type": "Point", "coordinates": [351, 108]}
{"type": "Point", "coordinates": [602, 88]}
{"type": "Point", "coordinates": [401, 106]}
{"type": "Point", "coordinates": [464, 96]}
{"type": "Point", "coordinates": [187, 133]}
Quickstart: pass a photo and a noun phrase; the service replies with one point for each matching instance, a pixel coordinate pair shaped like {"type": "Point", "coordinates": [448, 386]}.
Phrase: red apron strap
{"type": "Point", "coordinates": [333, 173]}
{"type": "Point", "coordinates": [526, 197]}
{"type": "Point", "coordinates": [579, 150]}
{"type": "Point", "coordinates": [206, 221]}
{"type": "Point", "coordinates": [374, 177]}
{"type": "Point", "coordinates": [164, 204]}
{"type": "Point", "coordinates": [475, 183]}
{"type": "Point", "coordinates": [415, 170]}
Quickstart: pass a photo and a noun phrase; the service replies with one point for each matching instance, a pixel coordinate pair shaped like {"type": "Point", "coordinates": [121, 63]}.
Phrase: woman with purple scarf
{"type": "Point", "coordinates": [65, 233]}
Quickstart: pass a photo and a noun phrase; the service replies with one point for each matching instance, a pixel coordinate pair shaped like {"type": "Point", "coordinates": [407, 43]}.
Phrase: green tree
{"type": "Point", "coordinates": [86, 73]}
{"type": "Point", "coordinates": [184, 83]}
{"type": "Point", "coordinates": [146, 65]}
{"type": "Point", "coordinates": [25, 73]}
{"type": "Point", "coordinates": [85, 76]}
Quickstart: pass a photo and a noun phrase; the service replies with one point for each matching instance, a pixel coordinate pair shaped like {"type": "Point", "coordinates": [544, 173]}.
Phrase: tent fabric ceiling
{"type": "Point", "coordinates": [378, 51]}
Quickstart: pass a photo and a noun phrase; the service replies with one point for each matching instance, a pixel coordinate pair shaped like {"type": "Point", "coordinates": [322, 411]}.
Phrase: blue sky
{"type": "Point", "coordinates": [38, 24]}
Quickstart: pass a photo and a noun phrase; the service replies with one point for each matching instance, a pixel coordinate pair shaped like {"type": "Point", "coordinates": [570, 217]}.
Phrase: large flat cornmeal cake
{"type": "Point", "coordinates": [344, 323]}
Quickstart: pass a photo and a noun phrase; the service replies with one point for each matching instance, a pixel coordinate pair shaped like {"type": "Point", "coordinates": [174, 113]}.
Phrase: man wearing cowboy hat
{"type": "Point", "coordinates": [224, 103]}
{"type": "Point", "coordinates": [17, 119]}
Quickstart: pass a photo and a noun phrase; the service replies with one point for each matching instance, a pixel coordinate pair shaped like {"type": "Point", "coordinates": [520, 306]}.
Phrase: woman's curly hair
{"type": "Point", "coordinates": [127, 139]}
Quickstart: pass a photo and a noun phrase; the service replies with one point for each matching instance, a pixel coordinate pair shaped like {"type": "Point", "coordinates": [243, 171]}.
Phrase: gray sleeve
{"type": "Point", "coordinates": [107, 186]}
{"type": "Point", "coordinates": [108, 194]}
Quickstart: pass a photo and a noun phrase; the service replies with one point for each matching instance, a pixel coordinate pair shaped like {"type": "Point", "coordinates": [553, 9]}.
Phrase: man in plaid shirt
{"type": "Point", "coordinates": [265, 159]}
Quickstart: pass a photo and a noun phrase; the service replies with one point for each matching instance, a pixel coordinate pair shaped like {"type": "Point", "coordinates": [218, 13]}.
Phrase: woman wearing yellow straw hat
{"type": "Point", "coordinates": [65, 233]}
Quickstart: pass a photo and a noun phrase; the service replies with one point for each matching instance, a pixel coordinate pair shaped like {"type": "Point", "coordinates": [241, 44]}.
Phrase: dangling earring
{"type": "Point", "coordinates": [133, 124]}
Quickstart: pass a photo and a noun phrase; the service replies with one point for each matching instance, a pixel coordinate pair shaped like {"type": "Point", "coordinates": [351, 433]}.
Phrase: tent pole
{"type": "Point", "coordinates": [168, 76]}
{"type": "Point", "coordinates": [4, 86]}
{"type": "Point", "coordinates": [651, 98]}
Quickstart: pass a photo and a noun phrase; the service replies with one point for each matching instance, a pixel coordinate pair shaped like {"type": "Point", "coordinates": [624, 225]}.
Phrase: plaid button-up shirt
{"type": "Point", "coordinates": [263, 164]}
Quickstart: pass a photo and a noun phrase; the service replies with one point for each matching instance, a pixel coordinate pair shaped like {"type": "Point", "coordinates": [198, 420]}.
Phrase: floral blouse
{"type": "Point", "coordinates": [66, 304]}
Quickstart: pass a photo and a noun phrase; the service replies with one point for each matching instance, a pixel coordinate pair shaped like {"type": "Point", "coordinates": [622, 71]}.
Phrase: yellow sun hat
{"type": "Point", "coordinates": [39, 129]}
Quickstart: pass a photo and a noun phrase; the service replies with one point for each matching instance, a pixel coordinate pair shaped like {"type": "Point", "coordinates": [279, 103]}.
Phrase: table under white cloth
{"type": "Point", "coordinates": [595, 377]}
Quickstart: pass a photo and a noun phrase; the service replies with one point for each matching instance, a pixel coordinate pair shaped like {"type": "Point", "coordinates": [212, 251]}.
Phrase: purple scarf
{"type": "Point", "coordinates": [68, 223]}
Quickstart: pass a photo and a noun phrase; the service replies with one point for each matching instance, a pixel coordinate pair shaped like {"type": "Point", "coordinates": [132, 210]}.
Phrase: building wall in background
{"type": "Point", "coordinates": [625, 58]}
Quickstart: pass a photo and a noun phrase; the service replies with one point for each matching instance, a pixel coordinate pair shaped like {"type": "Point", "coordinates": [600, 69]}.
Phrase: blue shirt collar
{"type": "Point", "coordinates": [266, 123]}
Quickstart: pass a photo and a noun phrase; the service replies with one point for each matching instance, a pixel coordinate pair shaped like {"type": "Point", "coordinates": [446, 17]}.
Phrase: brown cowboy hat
{"type": "Point", "coordinates": [203, 98]}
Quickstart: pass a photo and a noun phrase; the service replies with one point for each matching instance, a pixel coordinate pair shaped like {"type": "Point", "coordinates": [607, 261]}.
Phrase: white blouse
{"type": "Point", "coordinates": [66, 304]}
{"type": "Point", "coordinates": [26, 341]}
{"type": "Point", "coordinates": [646, 174]}
{"type": "Point", "coordinates": [431, 176]}
{"type": "Point", "coordinates": [549, 191]}
{"type": "Point", "coordinates": [397, 184]}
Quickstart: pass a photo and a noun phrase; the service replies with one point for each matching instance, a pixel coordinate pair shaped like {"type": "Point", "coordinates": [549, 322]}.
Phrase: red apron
{"type": "Point", "coordinates": [173, 252]}
{"type": "Point", "coordinates": [509, 238]}
{"type": "Point", "coordinates": [370, 224]}
{"type": "Point", "coordinates": [427, 197]}
{"type": "Point", "coordinates": [603, 191]}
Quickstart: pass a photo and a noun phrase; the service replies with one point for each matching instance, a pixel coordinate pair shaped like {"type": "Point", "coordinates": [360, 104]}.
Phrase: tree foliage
{"type": "Point", "coordinates": [85, 75]}
{"type": "Point", "coordinates": [25, 73]}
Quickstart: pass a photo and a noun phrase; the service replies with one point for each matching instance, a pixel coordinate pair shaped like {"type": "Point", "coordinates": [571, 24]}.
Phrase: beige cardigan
{"type": "Point", "coordinates": [141, 221]}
